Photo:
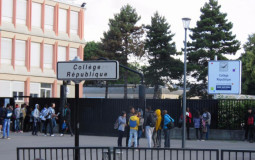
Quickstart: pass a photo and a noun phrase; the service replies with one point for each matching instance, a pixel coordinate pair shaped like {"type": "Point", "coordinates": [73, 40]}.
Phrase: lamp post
{"type": "Point", "coordinates": [186, 22]}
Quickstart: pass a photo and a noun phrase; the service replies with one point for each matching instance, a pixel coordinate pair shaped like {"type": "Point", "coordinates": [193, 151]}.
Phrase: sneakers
{"type": "Point", "coordinates": [52, 135]}
{"type": "Point", "coordinates": [61, 134]}
{"type": "Point", "coordinates": [8, 138]}
{"type": "Point", "coordinates": [45, 135]}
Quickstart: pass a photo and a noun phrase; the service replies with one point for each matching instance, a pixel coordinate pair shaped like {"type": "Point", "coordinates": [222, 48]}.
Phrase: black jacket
{"type": "Point", "coordinates": [67, 114]}
{"type": "Point", "coordinates": [146, 118]}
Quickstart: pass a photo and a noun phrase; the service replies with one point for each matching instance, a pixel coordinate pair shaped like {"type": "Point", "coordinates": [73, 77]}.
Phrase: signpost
{"type": "Point", "coordinates": [224, 77]}
{"type": "Point", "coordinates": [77, 71]}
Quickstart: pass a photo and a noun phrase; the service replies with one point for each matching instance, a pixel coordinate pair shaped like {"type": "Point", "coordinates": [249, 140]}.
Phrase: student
{"type": "Point", "coordinates": [140, 127]}
{"type": "Point", "coordinates": [167, 119]}
{"type": "Point", "coordinates": [43, 116]}
{"type": "Point", "coordinates": [1, 117]}
{"type": "Point", "coordinates": [156, 137]}
{"type": "Point", "coordinates": [67, 120]}
{"type": "Point", "coordinates": [17, 118]}
{"type": "Point", "coordinates": [121, 129]}
{"type": "Point", "coordinates": [197, 120]}
{"type": "Point", "coordinates": [50, 119]}
{"type": "Point", "coordinates": [207, 119]}
{"type": "Point", "coordinates": [22, 116]}
{"type": "Point", "coordinates": [133, 124]}
{"type": "Point", "coordinates": [36, 115]}
{"type": "Point", "coordinates": [130, 114]}
{"type": "Point", "coordinates": [149, 124]}
{"type": "Point", "coordinates": [188, 121]}
{"type": "Point", "coordinates": [249, 125]}
{"type": "Point", "coordinates": [7, 121]}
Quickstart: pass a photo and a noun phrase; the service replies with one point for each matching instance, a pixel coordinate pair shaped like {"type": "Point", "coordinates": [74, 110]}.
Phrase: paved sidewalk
{"type": "Point", "coordinates": [8, 147]}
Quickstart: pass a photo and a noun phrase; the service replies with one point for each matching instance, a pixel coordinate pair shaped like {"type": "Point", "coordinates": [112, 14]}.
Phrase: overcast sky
{"type": "Point", "coordinates": [240, 12]}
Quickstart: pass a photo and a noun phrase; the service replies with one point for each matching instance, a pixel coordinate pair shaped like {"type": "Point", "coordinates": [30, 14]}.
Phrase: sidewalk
{"type": "Point", "coordinates": [8, 147]}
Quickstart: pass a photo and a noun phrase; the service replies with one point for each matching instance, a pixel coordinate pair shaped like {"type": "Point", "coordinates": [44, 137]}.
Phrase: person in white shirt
{"type": "Point", "coordinates": [36, 115]}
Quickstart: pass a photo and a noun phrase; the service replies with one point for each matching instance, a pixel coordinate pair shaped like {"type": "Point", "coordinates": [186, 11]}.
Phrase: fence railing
{"type": "Point", "coordinates": [237, 154]}
{"type": "Point", "coordinates": [63, 153]}
{"type": "Point", "coordinates": [165, 154]}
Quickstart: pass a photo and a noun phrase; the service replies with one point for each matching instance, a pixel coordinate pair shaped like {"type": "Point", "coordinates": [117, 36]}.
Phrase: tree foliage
{"type": "Point", "coordinates": [93, 51]}
{"type": "Point", "coordinates": [124, 38]}
{"type": "Point", "coordinates": [248, 66]}
{"type": "Point", "coordinates": [160, 48]}
{"type": "Point", "coordinates": [212, 36]}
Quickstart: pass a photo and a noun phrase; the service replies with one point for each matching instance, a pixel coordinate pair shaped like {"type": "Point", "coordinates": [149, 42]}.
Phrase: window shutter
{"type": "Point", "coordinates": [35, 88]}
{"type": "Point", "coordinates": [20, 52]}
{"type": "Point", "coordinates": [18, 86]}
{"type": "Point", "coordinates": [7, 6]}
{"type": "Point", "coordinates": [49, 14]}
{"type": "Point", "coordinates": [5, 88]}
{"type": "Point", "coordinates": [73, 53]}
{"type": "Point", "coordinates": [74, 22]}
{"type": "Point", "coordinates": [6, 50]}
{"type": "Point", "coordinates": [62, 20]}
{"type": "Point", "coordinates": [48, 55]}
{"type": "Point", "coordinates": [21, 11]}
{"type": "Point", "coordinates": [35, 54]}
{"type": "Point", "coordinates": [36, 14]}
{"type": "Point", "coordinates": [61, 53]}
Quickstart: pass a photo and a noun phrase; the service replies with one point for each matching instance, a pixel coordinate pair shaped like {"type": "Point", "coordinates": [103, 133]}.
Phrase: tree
{"type": "Point", "coordinates": [93, 50]}
{"type": "Point", "coordinates": [248, 66]}
{"type": "Point", "coordinates": [162, 66]}
{"type": "Point", "coordinates": [212, 36]}
{"type": "Point", "coordinates": [124, 38]}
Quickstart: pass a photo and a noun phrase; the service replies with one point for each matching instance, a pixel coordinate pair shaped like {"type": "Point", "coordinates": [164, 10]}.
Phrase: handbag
{"type": "Point", "coordinates": [170, 125]}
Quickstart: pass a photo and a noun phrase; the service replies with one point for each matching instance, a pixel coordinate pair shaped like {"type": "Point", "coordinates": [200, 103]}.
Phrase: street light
{"type": "Point", "coordinates": [186, 22]}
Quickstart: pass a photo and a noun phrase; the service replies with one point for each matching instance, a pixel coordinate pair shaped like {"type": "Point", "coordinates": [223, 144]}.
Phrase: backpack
{"type": "Point", "coordinates": [116, 124]}
{"type": "Point", "coordinates": [152, 120]}
{"type": "Point", "coordinates": [8, 113]}
{"type": "Point", "coordinates": [132, 123]}
{"type": "Point", "coordinates": [250, 120]}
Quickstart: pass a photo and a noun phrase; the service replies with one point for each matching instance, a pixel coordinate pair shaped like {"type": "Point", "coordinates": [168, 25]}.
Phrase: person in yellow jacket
{"type": "Point", "coordinates": [156, 137]}
{"type": "Point", "coordinates": [133, 123]}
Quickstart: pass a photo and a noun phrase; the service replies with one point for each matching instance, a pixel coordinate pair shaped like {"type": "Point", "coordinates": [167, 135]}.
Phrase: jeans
{"type": "Point", "coordinates": [140, 133]}
{"type": "Point", "coordinates": [208, 129]}
{"type": "Point", "coordinates": [17, 128]}
{"type": "Point", "coordinates": [154, 138]}
{"type": "Point", "coordinates": [48, 121]}
{"type": "Point", "coordinates": [199, 130]}
{"type": "Point", "coordinates": [159, 138]}
{"type": "Point", "coordinates": [128, 135]}
{"type": "Point", "coordinates": [121, 133]}
{"type": "Point", "coordinates": [167, 137]}
{"type": "Point", "coordinates": [35, 126]}
{"type": "Point", "coordinates": [149, 132]}
{"type": "Point", "coordinates": [133, 132]}
{"type": "Point", "coordinates": [53, 124]}
{"type": "Point", "coordinates": [6, 127]}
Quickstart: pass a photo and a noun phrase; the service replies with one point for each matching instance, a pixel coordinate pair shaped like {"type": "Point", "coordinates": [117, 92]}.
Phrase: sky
{"type": "Point", "coordinates": [98, 12]}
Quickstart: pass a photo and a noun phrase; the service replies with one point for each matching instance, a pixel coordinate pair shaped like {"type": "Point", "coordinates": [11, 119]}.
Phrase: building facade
{"type": "Point", "coordinates": [34, 36]}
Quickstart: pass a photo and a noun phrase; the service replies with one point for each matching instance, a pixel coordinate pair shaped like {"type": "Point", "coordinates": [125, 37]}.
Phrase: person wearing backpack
{"type": "Point", "coordinates": [156, 137]}
{"type": "Point", "coordinates": [67, 120]}
{"type": "Point", "coordinates": [130, 114]}
{"type": "Point", "coordinates": [43, 116]}
{"type": "Point", "coordinates": [133, 123]}
{"type": "Point", "coordinates": [121, 127]}
{"type": "Point", "coordinates": [36, 115]}
{"type": "Point", "coordinates": [7, 120]}
{"type": "Point", "coordinates": [167, 120]}
{"type": "Point", "coordinates": [17, 118]}
{"type": "Point", "coordinates": [149, 124]}
{"type": "Point", "coordinates": [249, 125]}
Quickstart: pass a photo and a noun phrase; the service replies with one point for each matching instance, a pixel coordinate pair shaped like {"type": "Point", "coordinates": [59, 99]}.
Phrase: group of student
{"type": "Point", "coordinates": [26, 118]}
{"type": "Point", "coordinates": [152, 123]}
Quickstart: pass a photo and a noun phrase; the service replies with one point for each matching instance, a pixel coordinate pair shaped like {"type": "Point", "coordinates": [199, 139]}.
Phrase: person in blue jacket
{"type": "Point", "coordinates": [167, 119]}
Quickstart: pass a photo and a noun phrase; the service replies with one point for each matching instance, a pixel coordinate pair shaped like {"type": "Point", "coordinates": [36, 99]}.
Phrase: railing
{"type": "Point", "coordinates": [237, 154]}
{"type": "Point", "coordinates": [63, 153]}
{"type": "Point", "coordinates": [165, 154]}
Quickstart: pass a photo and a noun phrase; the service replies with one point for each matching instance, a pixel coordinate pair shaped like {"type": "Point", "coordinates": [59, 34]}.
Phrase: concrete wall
{"type": "Point", "coordinates": [214, 134]}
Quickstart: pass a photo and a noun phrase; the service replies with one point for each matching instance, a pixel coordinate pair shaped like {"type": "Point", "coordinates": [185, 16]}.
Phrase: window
{"type": "Point", "coordinates": [21, 12]}
{"type": "Point", "coordinates": [61, 53]}
{"type": "Point", "coordinates": [36, 14]}
{"type": "Point", "coordinates": [35, 89]}
{"type": "Point", "coordinates": [73, 53]}
{"type": "Point", "coordinates": [5, 88]}
{"type": "Point", "coordinates": [45, 90]}
{"type": "Point", "coordinates": [49, 14]}
{"type": "Point", "coordinates": [62, 20]}
{"type": "Point", "coordinates": [7, 10]}
{"type": "Point", "coordinates": [48, 55]}
{"type": "Point", "coordinates": [18, 89]}
{"type": "Point", "coordinates": [74, 22]}
{"type": "Point", "coordinates": [35, 54]}
{"type": "Point", "coordinates": [6, 50]}
{"type": "Point", "coordinates": [20, 53]}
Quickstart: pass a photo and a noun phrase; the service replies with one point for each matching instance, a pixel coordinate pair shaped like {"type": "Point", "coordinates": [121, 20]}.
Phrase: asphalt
{"type": "Point", "coordinates": [8, 146]}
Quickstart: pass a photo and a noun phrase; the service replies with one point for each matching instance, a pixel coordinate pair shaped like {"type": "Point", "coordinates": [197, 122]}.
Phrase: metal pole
{"type": "Point", "coordinates": [76, 113]}
{"type": "Point", "coordinates": [184, 93]}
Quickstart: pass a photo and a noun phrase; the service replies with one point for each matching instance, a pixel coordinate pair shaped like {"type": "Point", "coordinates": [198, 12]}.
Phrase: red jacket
{"type": "Point", "coordinates": [188, 118]}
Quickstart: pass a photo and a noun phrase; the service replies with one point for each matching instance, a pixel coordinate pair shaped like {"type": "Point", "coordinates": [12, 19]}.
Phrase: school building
{"type": "Point", "coordinates": [34, 36]}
